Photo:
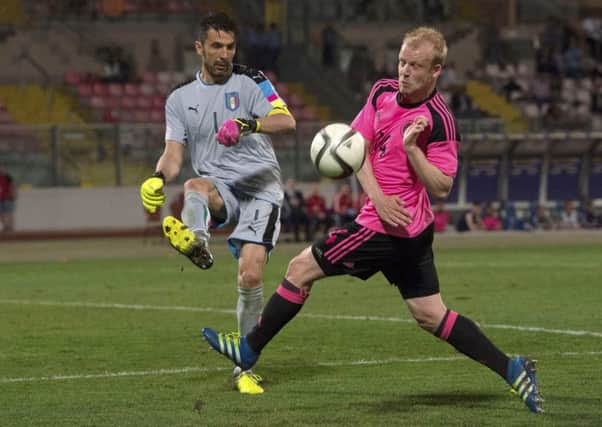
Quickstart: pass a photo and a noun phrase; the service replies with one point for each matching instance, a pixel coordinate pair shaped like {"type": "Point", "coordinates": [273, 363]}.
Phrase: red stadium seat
{"type": "Point", "coordinates": [294, 100]}
{"type": "Point", "coordinates": [142, 116]}
{"type": "Point", "coordinates": [84, 90]}
{"type": "Point", "coordinates": [73, 78]}
{"type": "Point", "coordinates": [163, 88]}
{"type": "Point", "coordinates": [131, 89]}
{"type": "Point", "coordinates": [112, 102]}
{"type": "Point", "coordinates": [126, 116]}
{"type": "Point", "coordinates": [100, 89]}
{"type": "Point", "coordinates": [110, 115]}
{"type": "Point", "coordinates": [271, 76]}
{"type": "Point", "coordinates": [149, 77]}
{"type": "Point", "coordinates": [157, 116]}
{"type": "Point", "coordinates": [158, 102]}
{"type": "Point", "coordinates": [144, 102]}
{"type": "Point", "coordinates": [164, 77]}
{"type": "Point", "coordinates": [282, 89]}
{"type": "Point", "coordinates": [146, 89]}
{"type": "Point", "coordinates": [128, 102]}
{"type": "Point", "coordinates": [115, 89]}
{"type": "Point", "coordinates": [98, 102]}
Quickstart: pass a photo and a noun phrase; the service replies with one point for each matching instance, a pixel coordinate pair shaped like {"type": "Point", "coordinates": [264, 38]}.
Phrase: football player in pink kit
{"type": "Point", "coordinates": [412, 142]}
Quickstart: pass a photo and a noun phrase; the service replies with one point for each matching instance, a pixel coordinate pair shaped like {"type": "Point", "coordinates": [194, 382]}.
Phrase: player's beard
{"type": "Point", "coordinates": [219, 71]}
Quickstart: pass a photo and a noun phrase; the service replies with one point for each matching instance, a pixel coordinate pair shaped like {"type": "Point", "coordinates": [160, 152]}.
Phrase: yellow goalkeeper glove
{"type": "Point", "coordinates": [151, 192]}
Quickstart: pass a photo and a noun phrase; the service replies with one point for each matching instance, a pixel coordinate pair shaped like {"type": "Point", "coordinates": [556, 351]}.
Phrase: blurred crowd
{"type": "Point", "coordinates": [306, 216]}
{"type": "Point", "coordinates": [566, 215]}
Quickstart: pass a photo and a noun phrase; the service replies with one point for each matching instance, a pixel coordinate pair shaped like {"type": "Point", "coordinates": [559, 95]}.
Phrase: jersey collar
{"type": "Point", "coordinates": [200, 80]}
{"type": "Point", "coordinates": [414, 105]}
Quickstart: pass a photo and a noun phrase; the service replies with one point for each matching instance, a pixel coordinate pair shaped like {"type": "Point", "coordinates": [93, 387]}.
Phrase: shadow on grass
{"type": "Point", "coordinates": [410, 401]}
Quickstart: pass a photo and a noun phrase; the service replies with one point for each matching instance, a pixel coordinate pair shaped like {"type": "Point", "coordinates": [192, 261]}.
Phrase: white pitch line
{"type": "Point", "coordinates": [80, 304]}
{"type": "Point", "coordinates": [502, 264]}
{"type": "Point", "coordinates": [189, 369]}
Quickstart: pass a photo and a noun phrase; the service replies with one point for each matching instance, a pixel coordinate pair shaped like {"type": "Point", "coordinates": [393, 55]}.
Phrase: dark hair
{"type": "Point", "coordinates": [219, 22]}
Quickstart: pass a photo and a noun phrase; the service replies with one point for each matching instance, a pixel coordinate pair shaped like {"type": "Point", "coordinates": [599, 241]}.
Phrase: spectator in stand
{"type": "Point", "coordinates": [156, 60]}
{"type": "Point", "coordinates": [491, 220]}
{"type": "Point", "coordinates": [317, 212]}
{"type": "Point", "coordinates": [293, 210]}
{"type": "Point", "coordinates": [541, 220]}
{"type": "Point", "coordinates": [360, 200]}
{"type": "Point", "coordinates": [342, 206]}
{"type": "Point", "coordinates": [512, 90]}
{"type": "Point", "coordinates": [273, 45]}
{"type": "Point", "coordinates": [8, 196]}
{"type": "Point", "coordinates": [329, 42]}
{"type": "Point", "coordinates": [569, 217]}
{"type": "Point", "coordinates": [450, 79]}
{"type": "Point", "coordinates": [442, 217]}
{"type": "Point", "coordinates": [471, 219]}
{"type": "Point", "coordinates": [589, 218]}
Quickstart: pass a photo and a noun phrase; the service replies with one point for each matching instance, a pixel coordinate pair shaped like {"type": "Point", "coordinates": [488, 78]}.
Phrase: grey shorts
{"type": "Point", "coordinates": [254, 220]}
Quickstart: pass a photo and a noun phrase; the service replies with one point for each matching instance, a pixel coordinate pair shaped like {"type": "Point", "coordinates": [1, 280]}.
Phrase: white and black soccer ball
{"type": "Point", "coordinates": [337, 151]}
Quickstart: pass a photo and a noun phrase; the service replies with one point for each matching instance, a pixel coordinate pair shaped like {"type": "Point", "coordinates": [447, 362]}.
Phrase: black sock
{"type": "Point", "coordinates": [284, 304]}
{"type": "Point", "coordinates": [468, 339]}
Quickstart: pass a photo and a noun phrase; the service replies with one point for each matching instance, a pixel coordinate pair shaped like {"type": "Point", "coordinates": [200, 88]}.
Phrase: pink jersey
{"type": "Point", "coordinates": [382, 121]}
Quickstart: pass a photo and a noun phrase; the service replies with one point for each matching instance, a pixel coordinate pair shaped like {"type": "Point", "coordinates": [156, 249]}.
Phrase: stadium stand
{"type": "Point", "coordinates": [530, 125]}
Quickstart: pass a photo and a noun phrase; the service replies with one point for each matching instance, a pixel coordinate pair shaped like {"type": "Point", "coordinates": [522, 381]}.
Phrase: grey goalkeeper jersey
{"type": "Point", "coordinates": [194, 111]}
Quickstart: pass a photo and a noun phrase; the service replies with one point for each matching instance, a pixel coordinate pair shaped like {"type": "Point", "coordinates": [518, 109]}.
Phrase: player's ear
{"type": "Point", "coordinates": [437, 69]}
{"type": "Point", "coordinates": [198, 46]}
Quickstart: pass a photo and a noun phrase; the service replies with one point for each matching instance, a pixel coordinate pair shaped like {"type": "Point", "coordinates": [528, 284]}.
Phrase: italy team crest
{"type": "Point", "coordinates": [232, 100]}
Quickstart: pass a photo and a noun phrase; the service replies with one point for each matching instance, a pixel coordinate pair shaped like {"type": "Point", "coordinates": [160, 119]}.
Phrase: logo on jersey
{"type": "Point", "coordinates": [380, 143]}
{"type": "Point", "coordinates": [232, 101]}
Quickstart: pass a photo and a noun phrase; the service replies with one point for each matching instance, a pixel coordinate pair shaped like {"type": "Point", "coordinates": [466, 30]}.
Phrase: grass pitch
{"type": "Point", "coordinates": [106, 333]}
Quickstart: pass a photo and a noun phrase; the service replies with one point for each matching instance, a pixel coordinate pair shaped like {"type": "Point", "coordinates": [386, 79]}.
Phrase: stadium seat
{"type": "Point", "coordinates": [110, 115]}
{"type": "Point", "coordinates": [294, 100]}
{"type": "Point", "coordinates": [73, 78]}
{"type": "Point", "coordinates": [100, 89]}
{"type": "Point", "coordinates": [282, 89]}
{"type": "Point", "coordinates": [126, 116]}
{"type": "Point", "coordinates": [149, 77]}
{"type": "Point", "coordinates": [131, 89]}
{"type": "Point", "coordinates": [84, 90]}
{"type": "Point", "coordinates": [98, 102]}
{"type": "Point", "coordinates": [271, 76]}
{"type": "Point", "coordinates": [112, 102]}
{"type": "Point", "coordinates": [146, 89]}
{"type": "Point", "coordinates": [144, 102]}
{"type": "Point", "coordinates": [158, 102]}
{"type": "Point", "coordinates": [157, 115]}
{"type": "Point", "coordinates": [115, 89]}
{"type": "Point", "coordinates": [128, 102]}
{"type": "Point", "coordinates": [164, 77]}
{"type": "Point", "coordinates": [178, 77]}
{"type": "Point", "coordinates": [142, 116]}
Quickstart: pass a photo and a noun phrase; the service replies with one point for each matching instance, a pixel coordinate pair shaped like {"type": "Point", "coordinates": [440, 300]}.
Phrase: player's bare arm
{"type": "Point", "coordinates": [390, 208]}
{"type": "Point", "coordinates": [278, 122]}
{"type": "Point", "coordinates": [171, 160]}
{"type": "Point", "coordinates": [436, 182]}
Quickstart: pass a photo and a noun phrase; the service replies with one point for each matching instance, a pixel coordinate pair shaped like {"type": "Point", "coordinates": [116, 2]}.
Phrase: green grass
{"type": "Point", "coordinates": [106, 333]}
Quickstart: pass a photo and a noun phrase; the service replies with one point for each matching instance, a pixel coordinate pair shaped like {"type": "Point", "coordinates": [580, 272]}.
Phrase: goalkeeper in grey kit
{"type": "Point", "coordinates": [224, 116]}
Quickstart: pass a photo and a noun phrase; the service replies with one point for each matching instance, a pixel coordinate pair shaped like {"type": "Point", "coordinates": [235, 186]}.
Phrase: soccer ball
{"type": "Point", "coordinates": [337, 151]}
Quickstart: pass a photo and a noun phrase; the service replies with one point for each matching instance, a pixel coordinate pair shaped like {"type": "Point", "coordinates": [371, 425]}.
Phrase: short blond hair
{"type": "Point", "coordinates": [432, 36]}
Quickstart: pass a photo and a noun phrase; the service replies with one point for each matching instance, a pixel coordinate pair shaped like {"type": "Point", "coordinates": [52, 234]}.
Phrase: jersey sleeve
{"type": "Point", "coordinates": [364, 121]}
{"type": "Point", "coordinates": [175, 129]}
{"type": "Point", "coordinates": [264, 100]}
{"type": "Point", "coordinates": [444, 155]}
{"type": "Point", "coordinates": [442, 144]}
